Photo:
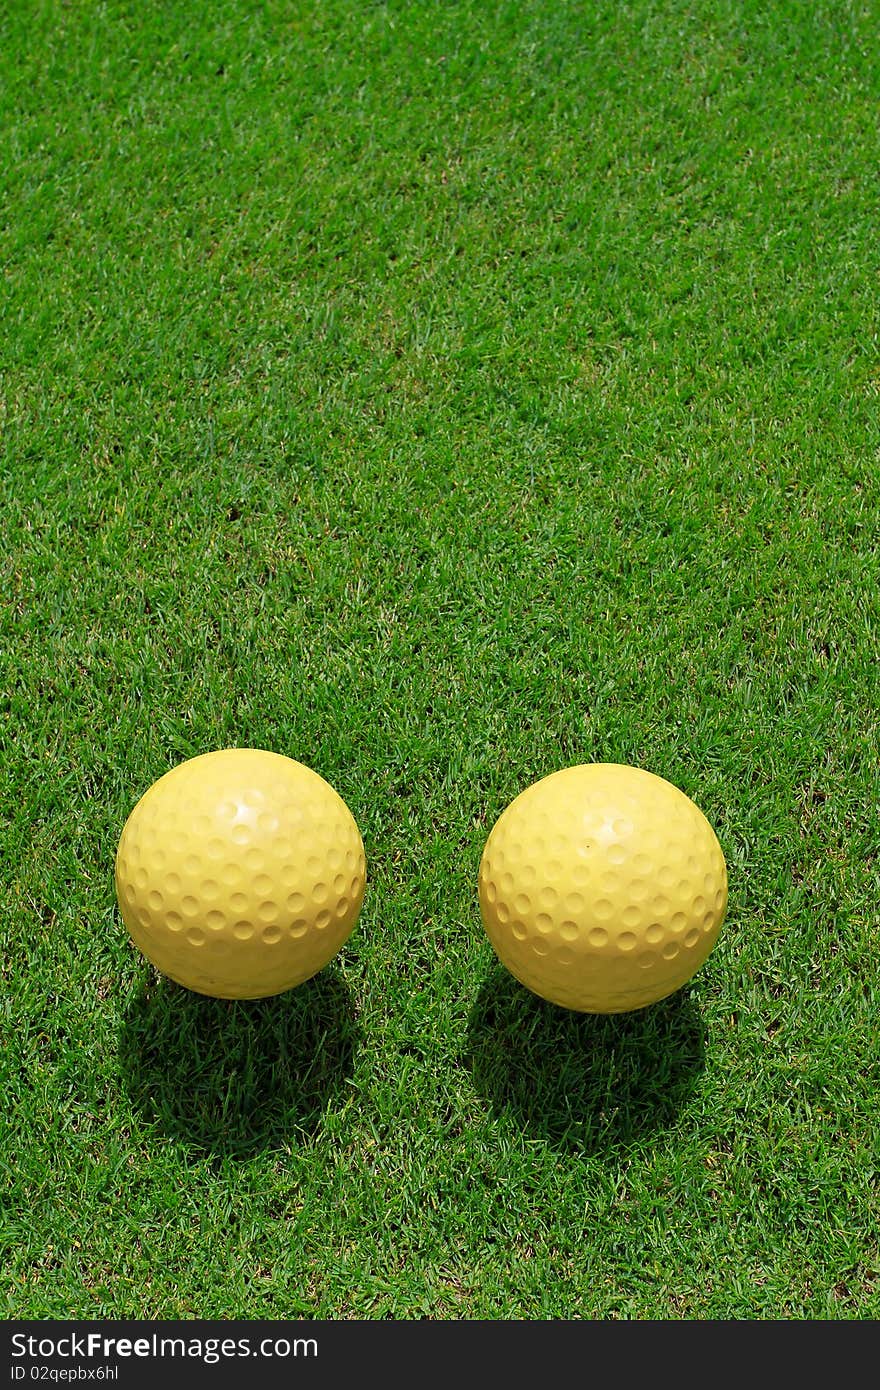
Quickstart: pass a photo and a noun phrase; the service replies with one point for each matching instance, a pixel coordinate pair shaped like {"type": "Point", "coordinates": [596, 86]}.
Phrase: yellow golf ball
{"type": "Point", "coordinates": [240, 873]}
{"type": "Point", "coordinates": [602, 888]}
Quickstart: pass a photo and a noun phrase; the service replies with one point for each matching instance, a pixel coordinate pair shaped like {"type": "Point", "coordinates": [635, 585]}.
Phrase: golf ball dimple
{"type": "Point", "coordinates": [602, 888]}
{"type": "Point", "coordinates": [240, 873]}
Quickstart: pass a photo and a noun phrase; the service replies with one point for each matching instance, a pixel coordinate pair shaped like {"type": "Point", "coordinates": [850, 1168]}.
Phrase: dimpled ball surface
{"type": "Point", "coordinates": [240, 873]}
{"type": "Point", "coordinates": [602, 888]}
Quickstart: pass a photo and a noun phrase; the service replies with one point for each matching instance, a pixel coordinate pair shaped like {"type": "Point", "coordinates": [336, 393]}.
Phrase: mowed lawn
{"type": "Point", "coordinates": [442, 395]}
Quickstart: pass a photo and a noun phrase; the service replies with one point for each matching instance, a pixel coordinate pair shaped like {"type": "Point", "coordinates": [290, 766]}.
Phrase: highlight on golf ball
{"type": "Point", "coordinates": [602, 888]}
{"type": "Point", "coordinates": [240, 873]}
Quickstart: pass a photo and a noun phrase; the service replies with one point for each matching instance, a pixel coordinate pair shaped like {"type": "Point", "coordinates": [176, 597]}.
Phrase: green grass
{"type": "Point", "coordinates": [442, 395]}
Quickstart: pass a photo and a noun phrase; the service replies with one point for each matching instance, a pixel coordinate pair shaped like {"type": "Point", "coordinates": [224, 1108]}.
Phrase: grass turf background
{"type": "Point", "coordinates": [441, 395]}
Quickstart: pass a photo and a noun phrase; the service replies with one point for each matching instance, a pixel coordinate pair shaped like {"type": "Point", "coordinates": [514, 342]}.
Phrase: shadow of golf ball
{"type": "Point", "coordinates": [583, 1082]}
{"type": "Point", "coordinates": [235, 1077]}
